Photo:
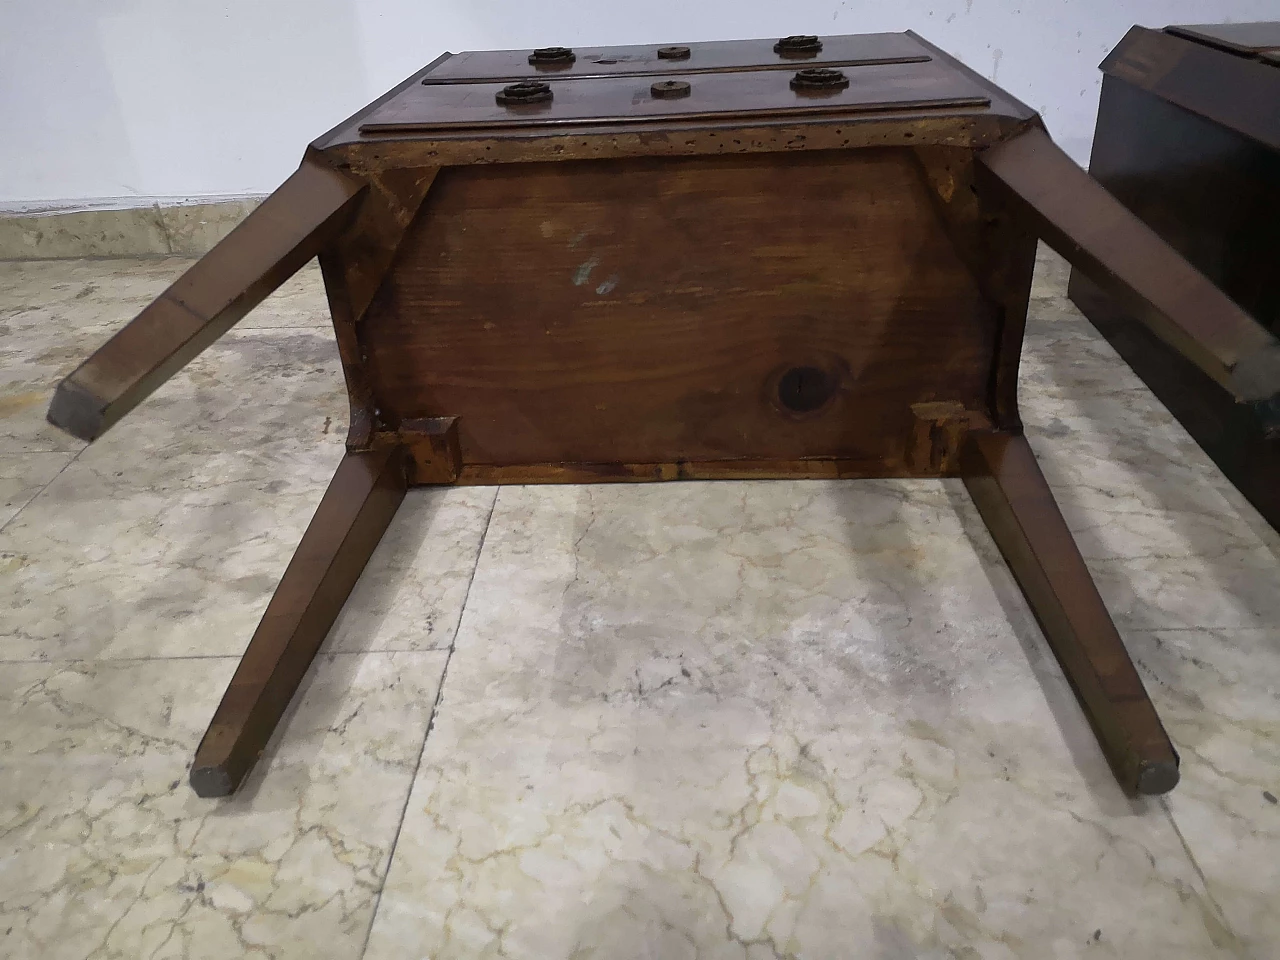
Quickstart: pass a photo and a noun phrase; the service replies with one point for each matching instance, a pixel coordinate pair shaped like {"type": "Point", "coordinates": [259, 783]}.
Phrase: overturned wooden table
{"type": "Point", "coordinates": [802, 258]}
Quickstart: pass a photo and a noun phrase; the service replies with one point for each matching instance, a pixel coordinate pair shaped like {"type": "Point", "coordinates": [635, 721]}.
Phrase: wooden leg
{"type": "Point", "coordinates": [271, 245]}
{"type": "Point", "coordinates": [356, 509]}
{"type": "Point", "coordinates": [1005, 482]}
{"type": "Point", "coordinates": [1098, 234]}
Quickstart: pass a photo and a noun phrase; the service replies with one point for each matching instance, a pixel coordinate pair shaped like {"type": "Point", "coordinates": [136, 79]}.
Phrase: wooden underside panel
{"type": "Point", "coordinates": [650, 311]}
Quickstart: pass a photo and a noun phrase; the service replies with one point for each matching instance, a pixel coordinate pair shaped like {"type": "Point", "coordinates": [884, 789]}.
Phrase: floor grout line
{"type": "Point", "coordinates": [36, 496]}
{"type": "Point", "coordinates": [1195, 865]}
{"type": "Point", "coordinates": [104, 257]}
{"type": "Point", "coordinates": [102, 661]}
{"type": "Point", "coordinates": [431, 722]}
{"type": "Point", "coordinates": [318, 328]}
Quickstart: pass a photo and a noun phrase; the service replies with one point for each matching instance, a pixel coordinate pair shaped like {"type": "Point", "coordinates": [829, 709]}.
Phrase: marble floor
{"type": "Point", "coordinates": [732, 720]}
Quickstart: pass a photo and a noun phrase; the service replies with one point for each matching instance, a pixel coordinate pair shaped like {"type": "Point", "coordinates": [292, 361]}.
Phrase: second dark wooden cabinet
{"type": "Point", "coordinates": [1188, 138]}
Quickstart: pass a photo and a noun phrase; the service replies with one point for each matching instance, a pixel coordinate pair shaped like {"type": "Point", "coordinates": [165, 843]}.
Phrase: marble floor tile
{"type": "Point", "coordinates": [128, 572]}
{"type": "Point", "coordinates": [713, 720]}
{"type": "Point", "coordinates": [765, 719]}
{"type": "Point", "coordinates": [1167, 547]}
{"type": "Point", "coordinates": [1190, 572]}
{"type": "Point", "coordinates": [1051, 275]}
{"type": "Point", "coordinates": [1164, 555]}
{"type": "Point", "coordinates": [167, 536]}
{"type": "Point", "coordinates": [109, 292]}
{"type": "Point", "coordinates": [411, 594]}
{"type": "Point", "coordinates": [55, 313]}
{"type": "Point", "coordinates": [179, 564]}
{"type": "Point", "coordinates": [1064, 357]}
{"type": "Point", "coordinates": [105, 852]}
{"type": "Point", "coordinates": [1218, 692]}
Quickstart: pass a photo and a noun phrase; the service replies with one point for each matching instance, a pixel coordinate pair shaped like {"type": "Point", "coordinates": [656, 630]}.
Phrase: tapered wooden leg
{"type": "Point", "coordinates": [1005, 482]}
{"type": "Point", "coordinates": [356, 509]}
{"type": "Point", "coordinates": [289, 228]}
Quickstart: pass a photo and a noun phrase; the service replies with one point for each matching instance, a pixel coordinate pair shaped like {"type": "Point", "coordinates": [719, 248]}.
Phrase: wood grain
{"type": "Point", "coordinates": [644, 312]}
{"type": "Point", "coordinates": [353, 267]}
{"type": "Point", "coordinates": [432, 446]}
{"type": "Point", "coordinates": [1018, 508]}
{"type": "Point", "coordinates": [356, 509]}
{"type": "Point", "coordinates": [999, 251]}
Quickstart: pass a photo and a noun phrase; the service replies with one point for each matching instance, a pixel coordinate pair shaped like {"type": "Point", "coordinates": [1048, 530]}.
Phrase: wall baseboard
{"type": "Point", "coordinates": [162, 227]}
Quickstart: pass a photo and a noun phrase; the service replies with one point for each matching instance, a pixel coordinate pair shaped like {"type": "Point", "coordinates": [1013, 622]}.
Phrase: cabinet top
{"type": "Point", "coordinates": [648, 88]}
{"type": "Point", "coordinates": [1258, 40]}
{"type": "Point", "coordinates": [1234, 88]}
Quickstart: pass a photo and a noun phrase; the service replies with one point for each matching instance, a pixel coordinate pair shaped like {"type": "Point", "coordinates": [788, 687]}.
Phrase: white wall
{"type": "Point", "coordinates": [200, 98]}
